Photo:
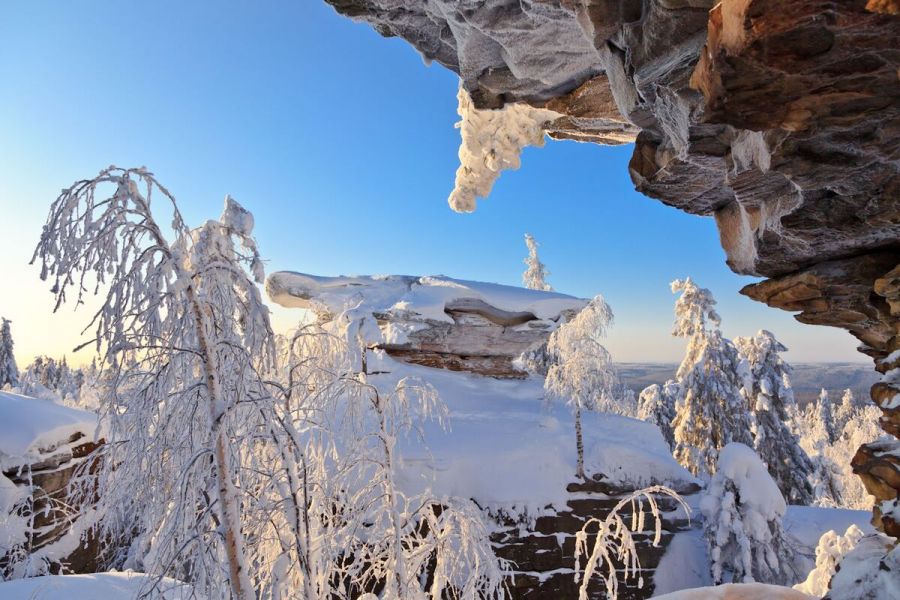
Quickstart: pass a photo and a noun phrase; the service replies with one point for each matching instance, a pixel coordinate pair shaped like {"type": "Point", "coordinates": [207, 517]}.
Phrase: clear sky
{"type": "Point", "coordinates": [342, 144]}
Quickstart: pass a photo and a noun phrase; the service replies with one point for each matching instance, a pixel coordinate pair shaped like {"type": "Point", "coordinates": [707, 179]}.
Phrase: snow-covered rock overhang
{"type": "Point", "coordinates": [435, 321]}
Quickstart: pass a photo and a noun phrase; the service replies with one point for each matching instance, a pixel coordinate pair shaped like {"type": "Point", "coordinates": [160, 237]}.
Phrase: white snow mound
{"type": "Point", "coordinates": [29, 428]}
{"type": "Point", "coordinates": [96, 586]}
{"type": "Point", "coordinates": [427, 297]}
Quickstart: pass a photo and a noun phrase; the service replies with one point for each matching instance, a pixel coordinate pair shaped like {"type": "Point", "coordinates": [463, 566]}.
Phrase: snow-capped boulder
{"type": "Point", "coordinates": [434, 321]}
{"type": "Point", "coordinates": [41, 446]}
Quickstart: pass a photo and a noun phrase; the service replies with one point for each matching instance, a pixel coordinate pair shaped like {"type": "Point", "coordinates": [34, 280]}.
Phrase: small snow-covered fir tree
{"type": "Point", "coordinates": [710, 411]}
{"type": "Point", "coordinates": [743, 510]}
{"type": "Point", "coordinates": [825, 418]}
{"type": "Point", "coordinates": [535, 275]}
{"type": "Point", "coordinates": [770, 397]}
{"type": "Point", "coordinates": [844, 411]}
{"type": "Point", "coordinates": [9, 372]}
{"type": "Point", "coordinates": [581, 371]}
{"type": "Point", "coordinates": [657, 405]}
{"type": "Point", "coordinates": [830, 551]}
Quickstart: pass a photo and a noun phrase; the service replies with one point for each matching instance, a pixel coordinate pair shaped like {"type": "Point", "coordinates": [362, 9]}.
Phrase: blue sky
{"type": "Point", "coordinates": [342, 144]}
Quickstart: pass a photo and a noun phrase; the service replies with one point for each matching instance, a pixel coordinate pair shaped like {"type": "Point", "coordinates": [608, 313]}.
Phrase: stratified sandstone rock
{"type": "Point", "coordinates": [434, 321]}
{"type": "Point", "coordinates": [43, 446]}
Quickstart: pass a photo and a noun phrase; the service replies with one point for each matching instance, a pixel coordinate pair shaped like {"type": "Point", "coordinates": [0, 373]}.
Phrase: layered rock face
{"type": "Point", "coordinates": [544, 554]}
{"type": "Point", "coordinates": [780, 119]}
{"type": "Point", "coordinates": [437, 322]}
{"type": "Point", "coordinates": [43, 446]}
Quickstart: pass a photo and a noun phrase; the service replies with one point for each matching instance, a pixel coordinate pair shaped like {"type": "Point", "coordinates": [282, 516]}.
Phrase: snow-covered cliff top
{"type": "Point", "coordinates": [427, 297]}
{"type": "Point", "coordinates": [31, 428]}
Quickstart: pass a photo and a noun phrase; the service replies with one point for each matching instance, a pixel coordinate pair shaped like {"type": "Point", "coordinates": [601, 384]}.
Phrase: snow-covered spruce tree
{"type": "Point", "coordinates": [825, 418]}
{"type": "Point", "coordinates": [581, 371]}
{"type": "Point", "coordinates": [743, 509]}
{"type": "Point", "coordinates": [770, 397]}
{"type": "Point", "coordinates": [830, 551]}
{"type": "Point", "coordinates": [657, 405]}
{"type": "Point", "coordinates": [9, 372]}
{"type": "Point", "coordinates": [181, 329]}
{"type": "Point", "coordinates": [844, 411]}
{"type": "Point", "coordinates": [710, 411]}
{"type": "Point", "coordinates": [535, 275]}
{"type": "Point", "coordinates": [607, 547]}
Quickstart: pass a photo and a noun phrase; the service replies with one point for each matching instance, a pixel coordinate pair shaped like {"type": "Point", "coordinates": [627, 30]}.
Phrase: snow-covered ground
{"type": "Point", "coordinates": [99, 586]}
{"type": "Point", "coordinates": [686, 564]}
{"type": "Point", "coordinates": [508, 450]}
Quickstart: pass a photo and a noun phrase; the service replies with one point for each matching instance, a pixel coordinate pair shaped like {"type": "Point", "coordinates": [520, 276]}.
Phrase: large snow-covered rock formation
{"type": "Point", "coordinates": [433, 321]}
{"type": "Point", "coordinates": [780, 119]}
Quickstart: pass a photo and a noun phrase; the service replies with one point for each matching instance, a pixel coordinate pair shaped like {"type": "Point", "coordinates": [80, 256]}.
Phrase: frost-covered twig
{"type": "Point", "coordinates": [613, 547]}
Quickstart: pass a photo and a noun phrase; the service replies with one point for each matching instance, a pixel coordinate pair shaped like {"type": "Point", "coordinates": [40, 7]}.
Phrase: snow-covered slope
{"type": "Point", "coordinates": [30, 428]}
{"type": "Point", "coordinates": [508, 450]}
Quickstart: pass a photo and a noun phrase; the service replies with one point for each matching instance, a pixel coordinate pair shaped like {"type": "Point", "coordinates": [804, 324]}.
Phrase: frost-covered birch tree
{"type": "Point", "coordinates": [348, 527]}
{"type": "Point", "coordinates": [9, 372]}
{"type": "Point", "coordinates": [743, 510]}
{"type": "Point", "coordinates": [657, 405]}
{"type": "Point", "coordinates": [768, 392]}
{"type": "Point", "coordinates": [414, 545]}
{"type": "Point", "coordinates": [535, 275]}
{"type": "Point", "coordinates": [182, 330]}
{"type": "Point", "coordinates": [581, 371]}
{"type": "Point", "coordinates": [711, 412]}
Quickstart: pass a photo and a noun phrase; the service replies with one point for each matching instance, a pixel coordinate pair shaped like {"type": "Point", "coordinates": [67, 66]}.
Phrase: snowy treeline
{"type": "Point", "coordinates": [53, 379]}
{"type": "Point", "coordinates": [710, 409]}
{"type": "Point", "coordinates": [244, 465]}
{"type": "Point", "coordinates": [831, 436]}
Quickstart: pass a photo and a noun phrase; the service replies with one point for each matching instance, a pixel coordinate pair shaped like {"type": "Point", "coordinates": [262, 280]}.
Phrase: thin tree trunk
{"type": "Point", "coordinates": [579, 444]}
{"type": "Point", "coordinates": [399, 575]}
{"type": "Point", "coordinates": [228, 497]}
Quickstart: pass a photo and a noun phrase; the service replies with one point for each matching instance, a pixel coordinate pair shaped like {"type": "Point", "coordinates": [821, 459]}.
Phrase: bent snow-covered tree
{"type": "Point", "coordinates": [711, 412]}
{"type": "Point", "coordinates": [9, 372]}
{"type": "Point", "coordinates": [181, 328]}
{"type": "Point", "coordinates": [535, 275]}
{"type": "Point", "coordinates": [743, 510]}
{"type": "Point", "coordinates": [581, 371]}
{"type": "Point", "coordinates": [605, 548]}
{"type": "Point", "coordinates": [768, 392]}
